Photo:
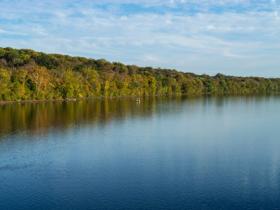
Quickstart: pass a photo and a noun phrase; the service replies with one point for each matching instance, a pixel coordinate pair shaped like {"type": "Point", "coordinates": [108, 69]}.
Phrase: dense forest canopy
{"type": "Point", "coordinates": [29, 75]}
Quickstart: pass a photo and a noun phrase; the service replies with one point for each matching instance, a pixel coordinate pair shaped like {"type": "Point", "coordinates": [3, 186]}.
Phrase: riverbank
{"type": "Point", "coordinates": [137, 98]}
{"type": "Point", "coordinates": [27, 74]}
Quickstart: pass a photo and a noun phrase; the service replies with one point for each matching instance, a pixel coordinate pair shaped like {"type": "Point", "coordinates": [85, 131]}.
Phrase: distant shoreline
{"type": "Point", "coordinates": [131, 97]}
{"type": "Point", "coordinates": [35, 101]}
{"type": "Point", "coordinates": [36, 76]}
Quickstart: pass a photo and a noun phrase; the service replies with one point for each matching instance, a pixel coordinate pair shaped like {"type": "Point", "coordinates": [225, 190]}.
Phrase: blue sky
{"type": "Point", "coordinates": [236, 37]}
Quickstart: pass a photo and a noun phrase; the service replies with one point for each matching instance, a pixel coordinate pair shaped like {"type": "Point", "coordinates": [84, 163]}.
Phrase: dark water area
{"type": "Point", "coordinates": [159, 153]}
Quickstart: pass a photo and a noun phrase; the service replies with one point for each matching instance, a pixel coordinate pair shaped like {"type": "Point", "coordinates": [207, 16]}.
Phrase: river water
{"type": "Point", "coordinates": [156, 153]}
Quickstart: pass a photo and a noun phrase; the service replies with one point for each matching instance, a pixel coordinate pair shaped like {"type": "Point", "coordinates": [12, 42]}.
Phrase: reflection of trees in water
{"type": "Point", "coordinates": [38, 117]}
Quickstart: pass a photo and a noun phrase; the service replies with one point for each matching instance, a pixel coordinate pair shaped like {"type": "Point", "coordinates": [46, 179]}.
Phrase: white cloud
{"type": "Point", "coordinates": [245, 42]}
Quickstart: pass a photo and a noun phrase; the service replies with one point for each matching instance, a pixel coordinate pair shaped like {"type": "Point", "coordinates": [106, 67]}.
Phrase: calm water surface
{"type": "Point", "coordinates": [179, 153]}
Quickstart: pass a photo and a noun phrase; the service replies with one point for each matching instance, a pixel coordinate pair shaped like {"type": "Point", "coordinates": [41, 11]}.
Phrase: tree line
{"type": "Point", "coordinates": [29, 75]}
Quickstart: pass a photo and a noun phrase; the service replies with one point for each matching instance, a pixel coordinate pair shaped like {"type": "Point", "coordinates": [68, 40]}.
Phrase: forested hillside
{"type": "Point", "coordinates": [30, 75]}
